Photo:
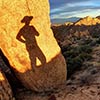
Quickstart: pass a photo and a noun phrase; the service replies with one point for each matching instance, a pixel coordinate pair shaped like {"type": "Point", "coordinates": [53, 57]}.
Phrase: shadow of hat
{"type": "Point", "coordinates": [26, 19]}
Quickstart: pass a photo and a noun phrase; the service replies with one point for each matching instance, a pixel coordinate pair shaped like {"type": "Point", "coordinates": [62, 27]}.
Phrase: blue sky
{"type": "Point", "coordinates": [74, 8]}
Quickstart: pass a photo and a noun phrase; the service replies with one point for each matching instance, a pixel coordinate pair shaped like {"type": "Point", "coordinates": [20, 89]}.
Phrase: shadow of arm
{"type": "Point", "coordinates": [18, 37]}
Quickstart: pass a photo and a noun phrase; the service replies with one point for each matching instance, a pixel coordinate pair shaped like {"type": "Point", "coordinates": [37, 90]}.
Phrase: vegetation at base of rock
{"type": "Point", "coordinates": [74, 51]}
{"type": "Point", "coordinates": [75, 57]}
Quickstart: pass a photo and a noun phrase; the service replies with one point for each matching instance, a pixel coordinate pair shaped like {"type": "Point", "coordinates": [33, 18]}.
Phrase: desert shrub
{"type": "Point", "coordinates": [76, 51]}
{"type": "Point", "coordinates": [84, 48]}
{"type": "Point", "coordinates": [73, 64]}
{"type": "Point", "coordinates": [66, 48]}
{"type": "Point", "coordinates": [93, 43]}
{"type": "Point", "coordinates": [85, 56]}
{"type": "Point", "coordinates": [86, 41]}
{"type": "Point", "coordinates": [96, 32]}
{"type": "Point", "coordinates": [95, 35]}
{"type": "Point", "coordinates": [98, 40]}
{"type": "Point", "coordinates": [70, 54]}
{"type": "Point", "coordinates": [75, 56]}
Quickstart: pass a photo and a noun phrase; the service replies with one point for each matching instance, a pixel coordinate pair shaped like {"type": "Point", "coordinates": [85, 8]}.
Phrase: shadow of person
{"type": "Point", "coordinates": [27, 35]}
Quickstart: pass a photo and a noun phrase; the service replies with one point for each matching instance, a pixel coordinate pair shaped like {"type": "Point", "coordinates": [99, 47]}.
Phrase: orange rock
{"type": "Point", "coordinates": [28, 42]}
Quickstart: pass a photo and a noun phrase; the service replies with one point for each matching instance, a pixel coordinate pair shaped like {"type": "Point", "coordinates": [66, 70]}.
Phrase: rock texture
{"type": "Point", "coordinates": [5, 89]}
{"type": "Point", "coordinates": [28, 42]}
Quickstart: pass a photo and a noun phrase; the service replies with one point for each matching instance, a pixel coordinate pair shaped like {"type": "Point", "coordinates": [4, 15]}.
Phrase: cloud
{"type": "Point", "coordinates": [57, 3]}
{"type": "Point", "coordinates": [70, 8]}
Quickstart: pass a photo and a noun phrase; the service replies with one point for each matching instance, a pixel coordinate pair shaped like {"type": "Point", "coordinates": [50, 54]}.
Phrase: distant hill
{"type": "Point", "coordinates": [98, 17]}
{"type": "Point", "coordinates": [88, 21]}
{"type": "Point", "coordinates": [84, 27]}
{"type": "Point", "coordinates": [63, 20]}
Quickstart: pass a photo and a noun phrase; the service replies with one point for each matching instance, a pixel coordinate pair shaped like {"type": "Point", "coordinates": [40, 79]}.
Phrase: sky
{"type": "Point", "coordinates": [74, 8]}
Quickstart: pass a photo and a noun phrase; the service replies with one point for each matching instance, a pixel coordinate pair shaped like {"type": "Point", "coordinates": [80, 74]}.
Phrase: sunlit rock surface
{"type": "Point", "coordinates": [28, 42]}
{"type": "Point", "coordinates": [88, 21]}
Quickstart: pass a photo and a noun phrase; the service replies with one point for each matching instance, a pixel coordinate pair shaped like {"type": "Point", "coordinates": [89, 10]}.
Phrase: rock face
{"type": "Point", "coordinates": [28, 42]}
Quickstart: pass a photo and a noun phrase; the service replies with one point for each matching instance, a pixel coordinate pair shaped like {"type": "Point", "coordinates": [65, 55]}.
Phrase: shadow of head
{"type": "Point", "coordinates": [27, 19]}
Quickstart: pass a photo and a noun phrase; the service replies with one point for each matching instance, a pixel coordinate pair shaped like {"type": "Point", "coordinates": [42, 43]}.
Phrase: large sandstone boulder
{"type": "Point", "coordinates": [28, 42]}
